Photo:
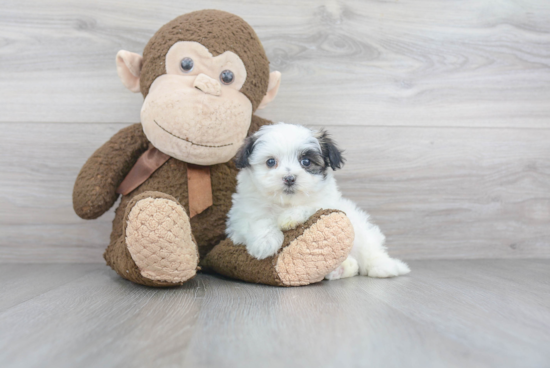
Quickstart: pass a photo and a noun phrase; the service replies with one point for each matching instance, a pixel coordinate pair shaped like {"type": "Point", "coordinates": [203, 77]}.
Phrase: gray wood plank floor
{"type": "Point", "coordinates": [469, 313]}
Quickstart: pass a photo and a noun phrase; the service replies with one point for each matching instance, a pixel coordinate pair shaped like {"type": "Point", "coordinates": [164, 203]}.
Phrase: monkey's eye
{"type": "Point", "coordinates": [305, 162]}
{"type": "Point", "coordinates": [271, 162]}
{"type": "Point", "coordinates": [227, 77]}
{"type": "Point", "coordinates": [187, 64]}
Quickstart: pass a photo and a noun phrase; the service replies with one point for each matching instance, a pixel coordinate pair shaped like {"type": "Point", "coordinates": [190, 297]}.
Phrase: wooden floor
{"type": "Point", "coordinates": [460, 313]}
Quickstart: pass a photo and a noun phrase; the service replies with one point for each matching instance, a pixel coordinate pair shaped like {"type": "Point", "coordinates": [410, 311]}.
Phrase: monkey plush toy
{"type": "Point", "coordinates": [202, 76]}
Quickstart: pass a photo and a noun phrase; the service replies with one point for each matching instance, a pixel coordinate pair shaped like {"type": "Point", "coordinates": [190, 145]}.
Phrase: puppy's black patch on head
{"type": "Point", "coordinates": [317, 163]}
{"type": "Point", "coordinates": [241, 159]}
{"type": "Point", "coordinates": [331, 153]}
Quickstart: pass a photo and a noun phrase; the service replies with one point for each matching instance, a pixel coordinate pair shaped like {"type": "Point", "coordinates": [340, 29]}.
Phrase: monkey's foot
{"type": "Point", "coordinates": [309, 252]}
{"type": "Point", "coordinates": [159, 239]}
{"type": "Point", "coordinates": [314, 249]}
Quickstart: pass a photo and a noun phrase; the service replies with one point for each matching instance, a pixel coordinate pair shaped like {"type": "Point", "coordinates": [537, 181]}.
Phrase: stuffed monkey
{"type": "Point", "coordinates": [202, 76]}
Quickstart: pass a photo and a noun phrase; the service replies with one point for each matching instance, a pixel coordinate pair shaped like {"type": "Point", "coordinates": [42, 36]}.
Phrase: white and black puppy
{"type": "Point", "coordinates": [286, 176]}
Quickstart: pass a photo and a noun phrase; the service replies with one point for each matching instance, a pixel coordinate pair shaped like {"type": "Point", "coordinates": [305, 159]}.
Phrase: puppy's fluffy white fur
{"type": "Point", "coordinates": [298, 183]}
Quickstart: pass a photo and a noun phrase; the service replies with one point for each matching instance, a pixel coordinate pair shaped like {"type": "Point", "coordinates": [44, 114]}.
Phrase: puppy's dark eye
{"type": "Point", "coordinates": [305, 162]}
{"type": "Point", "coordinates": [227, 77]}
{"type": "Point", "coordinates": [187, 64]}
{"type": "Point", "coordinates": [271, 162]}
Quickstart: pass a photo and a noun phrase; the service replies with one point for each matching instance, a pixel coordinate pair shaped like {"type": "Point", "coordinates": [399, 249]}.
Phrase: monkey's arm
{"type": "Point", "coordinates": [95, 187]}
{"type": "Point", "coordinates": [309, 252]}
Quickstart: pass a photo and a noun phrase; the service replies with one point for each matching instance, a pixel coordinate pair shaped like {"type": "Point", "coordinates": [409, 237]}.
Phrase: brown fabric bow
{"type": "Point", "coordinates": [199, 185]}
{"type": "Point", "coordinates": [198, 179]}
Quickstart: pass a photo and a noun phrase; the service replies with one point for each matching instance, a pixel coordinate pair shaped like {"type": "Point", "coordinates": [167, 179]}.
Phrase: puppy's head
{"type": "Point", "coordinates": [289, 159]}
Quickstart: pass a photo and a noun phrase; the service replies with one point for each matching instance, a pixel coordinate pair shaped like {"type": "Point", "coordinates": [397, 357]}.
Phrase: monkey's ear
{"type": "Point", "coordinates": [241, 159]}
{"type": "Point", "coordinates": [272, 89]}
{"type": "Point", "coordinates": [128, 67]}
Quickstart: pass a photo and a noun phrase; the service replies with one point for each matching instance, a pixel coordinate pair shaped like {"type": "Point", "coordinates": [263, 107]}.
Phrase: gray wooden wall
{"type": "Point", "coordinates": [443, 108]}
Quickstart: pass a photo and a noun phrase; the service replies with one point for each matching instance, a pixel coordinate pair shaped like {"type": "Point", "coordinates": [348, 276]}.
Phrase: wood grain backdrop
{"type": "Point", "coordinates": [443, 109]}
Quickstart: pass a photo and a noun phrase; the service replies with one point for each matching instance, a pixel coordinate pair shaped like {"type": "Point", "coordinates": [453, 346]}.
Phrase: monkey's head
{"type": "Point", "coordinates": [202, 76]}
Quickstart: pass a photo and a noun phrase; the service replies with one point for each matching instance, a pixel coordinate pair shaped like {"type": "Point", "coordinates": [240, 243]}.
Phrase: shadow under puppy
{"type": "Point", "coordinates": [286, 176]}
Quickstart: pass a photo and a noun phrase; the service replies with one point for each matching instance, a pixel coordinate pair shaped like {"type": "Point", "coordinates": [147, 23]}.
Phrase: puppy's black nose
{"type": "Point", "coordinates": [289, 180]}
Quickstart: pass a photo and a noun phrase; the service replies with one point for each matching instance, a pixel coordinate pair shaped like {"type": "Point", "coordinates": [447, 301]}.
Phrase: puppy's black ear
{"type": "Point", "coordinates": [331, 154]}
{"type": "Point", "coordinates": [241, 159]}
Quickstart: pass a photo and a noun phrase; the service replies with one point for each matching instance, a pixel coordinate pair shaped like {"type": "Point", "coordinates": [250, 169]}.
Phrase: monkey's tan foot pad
{"type": "Point", "coordinates": [159, 239]}
{"type": "Point", "coordinates": [309, 252]}
{"type": "Point", "coordinates": [315, 249]}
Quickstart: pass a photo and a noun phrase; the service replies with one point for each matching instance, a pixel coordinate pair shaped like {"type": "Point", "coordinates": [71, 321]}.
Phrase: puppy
{"type": "Point", "coordinates": [286, 176]}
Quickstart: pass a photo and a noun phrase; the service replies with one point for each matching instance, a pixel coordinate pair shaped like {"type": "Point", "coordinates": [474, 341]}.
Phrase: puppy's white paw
{"type": "Point", "coordinates": [348, 268]}
{"type": "Point", "coordinates": [293, 217]}
{"type": "Point", "coordinates": [266, 245]}
{"type": "Point", "coordinates": [388, 267]}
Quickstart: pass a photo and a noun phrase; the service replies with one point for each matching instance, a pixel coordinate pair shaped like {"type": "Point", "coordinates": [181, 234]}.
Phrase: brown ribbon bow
{"type": "Point", "coordinates": [198, 179]}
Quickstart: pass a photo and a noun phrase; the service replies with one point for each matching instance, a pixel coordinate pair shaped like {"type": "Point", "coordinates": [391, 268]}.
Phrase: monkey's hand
{"type": "Point", "coordinates": [95, 187]}
{"type": "Point", "coordinates": [294, 216]}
